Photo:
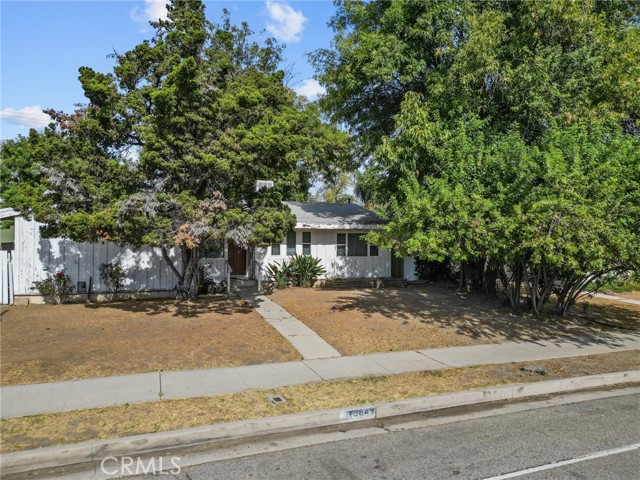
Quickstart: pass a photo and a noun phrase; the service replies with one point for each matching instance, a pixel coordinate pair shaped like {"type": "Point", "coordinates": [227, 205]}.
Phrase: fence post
{"type": "Point", "coordinates": [10, 278]}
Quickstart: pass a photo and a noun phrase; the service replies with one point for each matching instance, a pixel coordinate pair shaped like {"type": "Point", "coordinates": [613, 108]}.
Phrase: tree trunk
{"type": "Point", "coordinates": [188, 278]}
{"type": "Point", "coordinates": [189, 287]}
{"type": "Point", "coordinates": [511, 278]}
{"type": "Point", "coordinates": [489, 278]}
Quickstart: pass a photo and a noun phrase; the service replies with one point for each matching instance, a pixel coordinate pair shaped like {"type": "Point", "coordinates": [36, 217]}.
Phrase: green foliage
{"type": "Point", "coordinates": [502, 134]}
{"type": "Point", "coordinates": [299, 270]}
{"type": "Point", "coordinates": [169, 147]}
{"type": "Point", "coordinates": [113, 276]}
{"type": "Point", "coordinates": [281, 274]}
{"type": "Point", "coordinates": [56, 288]}
{"type": "Point", "coordinates": [305, 270]}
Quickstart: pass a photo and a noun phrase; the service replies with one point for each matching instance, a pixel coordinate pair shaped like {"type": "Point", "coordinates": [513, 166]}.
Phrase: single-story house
{"type": "Point", "coordinates": [331, 232]}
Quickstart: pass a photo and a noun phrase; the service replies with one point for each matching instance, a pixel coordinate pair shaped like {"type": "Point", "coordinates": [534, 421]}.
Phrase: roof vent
{"type": "Point", "coordinates": [264, 184]}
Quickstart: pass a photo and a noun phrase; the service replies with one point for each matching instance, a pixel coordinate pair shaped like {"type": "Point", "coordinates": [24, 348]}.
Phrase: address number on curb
{"type": "Point", "coordinates": [357, 414]}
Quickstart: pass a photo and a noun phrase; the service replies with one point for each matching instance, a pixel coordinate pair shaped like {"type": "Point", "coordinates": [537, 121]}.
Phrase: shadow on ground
{"type": "Point", "coordinates": [480, 318]}
{"type": "Point", "coordinates": [216, 304]}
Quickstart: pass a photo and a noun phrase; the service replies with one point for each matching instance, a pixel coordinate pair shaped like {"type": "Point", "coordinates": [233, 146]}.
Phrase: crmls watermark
{"type": "Point", "coordinates": [139, 466]}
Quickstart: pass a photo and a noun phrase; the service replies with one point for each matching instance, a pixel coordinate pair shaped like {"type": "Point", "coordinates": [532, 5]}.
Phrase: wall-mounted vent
{"type": "Point", "coordinates": [264, 184]}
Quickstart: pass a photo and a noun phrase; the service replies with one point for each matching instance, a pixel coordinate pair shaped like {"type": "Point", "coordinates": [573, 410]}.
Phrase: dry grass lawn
{"type": "Point", "coordinates": [381, 320]}
{"type": "Point", "coordinates": [70, 427]}
{"type": "Point", "coordinates": [632, 295]}
{"type": "Point", "coordinates": [45, 343]}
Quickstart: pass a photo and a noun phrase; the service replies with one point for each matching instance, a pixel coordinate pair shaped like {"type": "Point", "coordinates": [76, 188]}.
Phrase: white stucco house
{"type": "Point", "coordinates": [331, 232]}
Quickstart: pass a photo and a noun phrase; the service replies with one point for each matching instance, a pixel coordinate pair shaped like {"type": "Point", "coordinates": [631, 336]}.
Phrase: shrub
{"type": "Point", "coordinates": [299, 270]}
{"type": "Point", "coordinates": [281, 274]}
{"type": "Point", "coordinates": [305, 270]}
{"type": "Point", "coordinates": [55, 288]}
{"type": "Point", "coordinates": [113, 276]}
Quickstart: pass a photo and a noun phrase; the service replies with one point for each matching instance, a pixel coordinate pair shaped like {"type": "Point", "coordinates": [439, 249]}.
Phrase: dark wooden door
{"type": "Point", "coordinates": [237, 259]}
{"type": "Point", "coordinates": [397, 266]}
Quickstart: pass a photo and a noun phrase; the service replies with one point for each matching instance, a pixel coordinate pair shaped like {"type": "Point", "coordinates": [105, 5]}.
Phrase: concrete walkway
{"type": "Point", "coordinates": [617, 299]}
{"type": "Point", "coordinates": [22, 400]}
{"type": "Point", "coordinates": [307, 342]}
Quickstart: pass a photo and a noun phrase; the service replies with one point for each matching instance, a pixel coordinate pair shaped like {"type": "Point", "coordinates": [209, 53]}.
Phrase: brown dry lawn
{"type": "Point", "coordinates": [633, 295]}
{"type": "Point", "coordinates": [69, 427]}
{"type": "Point", "coordinates": [45, 343]}
{"type": "Point", "coordinates": [381, 320]}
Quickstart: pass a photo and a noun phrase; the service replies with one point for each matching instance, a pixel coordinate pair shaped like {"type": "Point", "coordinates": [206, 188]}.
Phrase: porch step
{"type": "Point", "coordinates": [243, 283]}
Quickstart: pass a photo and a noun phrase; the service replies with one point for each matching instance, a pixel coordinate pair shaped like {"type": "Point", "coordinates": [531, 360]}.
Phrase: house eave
{"type": "Point", "coordinates": [338, 226]}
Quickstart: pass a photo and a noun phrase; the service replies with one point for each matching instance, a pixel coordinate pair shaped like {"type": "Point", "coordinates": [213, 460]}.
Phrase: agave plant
{"type": "Point", "coordinates": [305, 269]}
{"type": "Point", "coordinates": [281, 274]}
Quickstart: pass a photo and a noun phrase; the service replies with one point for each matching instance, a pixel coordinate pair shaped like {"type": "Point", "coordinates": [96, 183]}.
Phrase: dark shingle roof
{"type": "Point", "coordinates": [333, 214]}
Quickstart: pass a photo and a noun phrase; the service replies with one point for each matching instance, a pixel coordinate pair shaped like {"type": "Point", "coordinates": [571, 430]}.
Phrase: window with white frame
{"type": "Point", "coordinates": [291, 243]}
{"type": "Point", "coordinates": [353, 245]}
{"type": "Point", "coordinates": [306, 243]}
{"type": "Point", "coordinates": [341, 245]}
{"type": "Point", "coordinates": [275, 249]}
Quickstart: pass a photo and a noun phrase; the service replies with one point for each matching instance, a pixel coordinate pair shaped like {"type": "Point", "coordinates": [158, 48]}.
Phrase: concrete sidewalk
{"type": "Point", "coordinates": [307, 342]}
{"type": "Point", "coordinates": [617, 299]}
{"type": "Point", "coordinates": [23, 400]}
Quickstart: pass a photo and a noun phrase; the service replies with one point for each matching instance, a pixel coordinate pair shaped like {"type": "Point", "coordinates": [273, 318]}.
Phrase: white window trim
{"type": "Point", "coordinates": [346, 246]}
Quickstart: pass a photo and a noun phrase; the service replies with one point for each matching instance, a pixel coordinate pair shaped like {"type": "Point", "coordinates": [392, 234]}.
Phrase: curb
{"type": "Point", "coordinates": [52, 457]}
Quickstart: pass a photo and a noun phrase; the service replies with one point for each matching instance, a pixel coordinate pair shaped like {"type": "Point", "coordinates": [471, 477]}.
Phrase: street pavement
{"type": "Point", "coordinates": [596, 439]}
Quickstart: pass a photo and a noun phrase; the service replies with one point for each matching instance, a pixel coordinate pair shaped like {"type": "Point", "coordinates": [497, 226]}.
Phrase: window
{"type": "Point", "coordinates": [291, 243]}
{"type": "Point", "coordinates": [341, 245]}
{"type": "Point", "coordinates": [356, 247]}
{"type": "Point", "coordinates": [306, 243]}
{"type": "Point", "coordinates": [275, 249]}
{"type": "Point", "coordinates": [352, 245]}
{"type": "Point", "coordinates": [212, 248]}
{"type": "Point", "coordinates": [7, 234]}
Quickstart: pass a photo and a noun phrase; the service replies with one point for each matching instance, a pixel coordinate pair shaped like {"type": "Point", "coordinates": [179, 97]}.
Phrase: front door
{"type": "Point", "coordinates": [237, 259]}
{"type": "Point", "coordinates": [397, 266]}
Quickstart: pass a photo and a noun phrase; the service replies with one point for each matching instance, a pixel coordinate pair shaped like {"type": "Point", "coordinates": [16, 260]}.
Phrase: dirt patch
{"type": "Point", "coordinates": [632, 295]}
{"type": "Point", "coordinates": [608, 312]}
{"type": "Point", "coordinates": [381, 320]}
{"type": "Point", "coordinates": [70, 427]}
{"type": "Point", "coordinates": [45, 343]}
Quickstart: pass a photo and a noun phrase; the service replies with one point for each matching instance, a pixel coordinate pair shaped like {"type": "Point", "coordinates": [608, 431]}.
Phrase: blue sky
{"type": "Point", "coordinates": [44, 42]}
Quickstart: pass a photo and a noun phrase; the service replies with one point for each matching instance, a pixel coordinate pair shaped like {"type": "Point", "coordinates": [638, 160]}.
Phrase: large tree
{"type": "Point", "coordinates": [169, 147]}
{"type": "Point", "coordinates": [500, 135]}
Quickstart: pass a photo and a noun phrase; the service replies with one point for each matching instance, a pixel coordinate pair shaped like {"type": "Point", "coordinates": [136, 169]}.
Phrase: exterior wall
{"type": "Point", "coordinates": [35, 256]}
{"type": "Point", "coordinates": [323, 246]}
{"type": "Point", "coordinates": [410, 269]}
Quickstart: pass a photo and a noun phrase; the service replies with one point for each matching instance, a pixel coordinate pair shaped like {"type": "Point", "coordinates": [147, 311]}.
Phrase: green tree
{"type": "Point", "coordinates": [169, 147]}
{"type": "Point", "coordinates": [500, 135]}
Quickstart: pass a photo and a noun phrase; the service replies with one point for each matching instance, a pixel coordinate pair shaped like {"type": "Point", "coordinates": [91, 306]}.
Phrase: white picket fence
{"type": "Point", "coordinates": [6, 277]}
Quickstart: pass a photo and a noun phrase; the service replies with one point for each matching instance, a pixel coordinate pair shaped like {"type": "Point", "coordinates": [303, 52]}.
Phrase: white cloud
{"type": "Point", "coordinates": [286, 24]}
{"type": "Point", "coordinates": [26, 117]}
{"type": "Point", "coordinates": [153, 10]}
{"type": "Point", "coordinates": [310, 88]}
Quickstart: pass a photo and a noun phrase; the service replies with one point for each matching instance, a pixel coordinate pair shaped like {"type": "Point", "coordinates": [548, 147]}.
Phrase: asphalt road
{"type": "Point", "coordinates": [479, 448]}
